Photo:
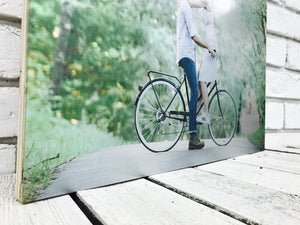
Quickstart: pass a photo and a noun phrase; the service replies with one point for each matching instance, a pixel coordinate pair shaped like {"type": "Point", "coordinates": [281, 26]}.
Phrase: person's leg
{"type": "Point", "coordinates": [190, 72]}
{"type": "Point", "coordinates": [204, 92]}
{"type": "Point", "coordinates": [199, 102]}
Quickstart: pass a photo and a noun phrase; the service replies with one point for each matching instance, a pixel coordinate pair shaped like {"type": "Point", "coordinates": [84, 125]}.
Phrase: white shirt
{"type": "Point", "coordinates": [185, 30]}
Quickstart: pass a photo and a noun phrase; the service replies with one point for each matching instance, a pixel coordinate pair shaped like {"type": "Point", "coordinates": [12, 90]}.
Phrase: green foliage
{"type": "Point", "coordinates": [51, 141]}
{"type": "Point", "coordinates": [258, 138]}
{"type": "Point", "coordinates": [110, 47]}
{"type": "Point", "coordinates": [242, 45]}
{"type": "Point", "coordinates": [109, 50]}
{"type": "Point", "coordinates": [113, 43]}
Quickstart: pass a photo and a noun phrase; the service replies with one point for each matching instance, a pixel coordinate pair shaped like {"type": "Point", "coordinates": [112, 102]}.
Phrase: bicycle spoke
{"type": "Point", "coordinates": [223, 118]}
{"type": "Point", "coordinates": [154, 98]}
{"type": "Point", "coordinates": [147, 117]}
{"type": "Point", "coordinates": [150, 130]}
{"type": "Point", "coordinates": [151, 109]}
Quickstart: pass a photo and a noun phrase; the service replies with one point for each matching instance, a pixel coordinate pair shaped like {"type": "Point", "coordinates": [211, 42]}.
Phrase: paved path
{"type": "Point", "coordinates": [128, 162]}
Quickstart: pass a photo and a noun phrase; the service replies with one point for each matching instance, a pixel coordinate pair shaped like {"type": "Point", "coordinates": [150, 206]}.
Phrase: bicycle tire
{"type": "Point", "coordinates": [223, 118]}
{"type": "Point", "coordinates": [157, 132]}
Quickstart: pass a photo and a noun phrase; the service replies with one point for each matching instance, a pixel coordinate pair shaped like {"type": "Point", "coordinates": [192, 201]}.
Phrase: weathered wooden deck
{"type": "Point", "coordinates": [262, 188]}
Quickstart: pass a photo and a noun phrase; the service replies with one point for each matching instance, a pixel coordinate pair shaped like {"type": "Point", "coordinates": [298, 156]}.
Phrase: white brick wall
{"type": "Point", "coordinates": [274, 115]}
{"type": "Point", "coordinates": [293, 53]}
{"type": "Point", "coordinates": [276, 51]}
{"type": "Point", "coordinates": [7, 158]}
{"type": "Point", "coordinates": [9, 51]}
{"type": "Point", "coordinates": [11, 8]}
{"type": "Point", "coordinates": [292, 115]}
{"type": "Point", "coordinates": [282, 83]}
{"type": "Point", "coordinates": [283, 76]}
{"type": "Point", "coordinates": [9, 97]}
{"type": "Point", "coordinates": [283, 21]}
{"type": "Point", "coordinates": [10, 40]}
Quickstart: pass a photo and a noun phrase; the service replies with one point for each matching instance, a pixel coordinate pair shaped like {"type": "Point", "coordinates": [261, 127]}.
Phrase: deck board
{"type": "Point", "coordinates": [251, 203]}
{"type": "Point", "coordinates": [257, 175]}
{"type": "Point", "coordinates": [262, 188]}
{"type": "Point", "coordinates": [274, 160]}
{"type": "Point", "coordinates": [143, 202]}
{"type": "Point", "coordinates": [58, 211]}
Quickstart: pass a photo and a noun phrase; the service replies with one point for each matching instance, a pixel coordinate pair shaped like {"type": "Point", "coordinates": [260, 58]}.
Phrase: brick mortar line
{"type": "Point", "coordinates": [284, 117]}
{"type": "Point", "coordinates": [282, 68]}
{"type": "Point", "coordinates": [280, 35]}
{"type": "Point", "coordinates": [10, 18]}
{"type": "Point", "coordinates": [274, 35]}
{"type": "Point", "coordinates": [284, 6]}
{"type": "Point", "coordinates": [270, 65]}
{"type": "Point", "coordinates": [282, 100]}
{"type": "Point", "coordinates": [8, 140]}
{"type": "Point", "coordinates": [9, 82]}
{"type": "Point", "coordinates": [281, 131]}
{"type": "Point", "coordinates": [293, 70]}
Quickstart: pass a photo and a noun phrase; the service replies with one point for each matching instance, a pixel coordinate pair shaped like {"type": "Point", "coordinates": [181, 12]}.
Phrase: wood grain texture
{"type": "Point", "coordinates": [251, 203]}
{"type": "Point", "coordinates": [58, 211]}
{"type": "Point", "coordinates": [273, 160]}
{"type": "Point", "coordinates": [142, 202]}
{"type": "Point", "coordinates": [269, 178]}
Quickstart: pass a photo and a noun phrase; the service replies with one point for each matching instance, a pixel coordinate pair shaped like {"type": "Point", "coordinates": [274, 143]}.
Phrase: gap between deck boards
{"type": "Point", "coordinates": [205, 203]}
{"type": "Point", "coordinates": [85, 210]}
{"type": "Point", "coordinates": [236, 215]}
{"type": "Point", "coordinates": [91, 215]}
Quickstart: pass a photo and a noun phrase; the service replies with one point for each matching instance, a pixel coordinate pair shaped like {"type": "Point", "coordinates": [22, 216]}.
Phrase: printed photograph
{"type": "Point", "coordinates": [118, 90]}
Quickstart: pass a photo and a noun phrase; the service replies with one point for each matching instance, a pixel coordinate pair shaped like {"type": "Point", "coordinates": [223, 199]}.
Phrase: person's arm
{"type": "Point", "coordinates": [197, 39]}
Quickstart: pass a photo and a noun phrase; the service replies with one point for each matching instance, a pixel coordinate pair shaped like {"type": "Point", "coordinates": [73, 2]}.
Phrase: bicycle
{"type": "Point", "coordinates": [160, 113]}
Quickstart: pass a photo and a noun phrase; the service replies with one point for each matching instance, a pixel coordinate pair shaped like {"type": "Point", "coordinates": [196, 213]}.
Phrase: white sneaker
{"type": "Point", "coordinates": [203, 119]}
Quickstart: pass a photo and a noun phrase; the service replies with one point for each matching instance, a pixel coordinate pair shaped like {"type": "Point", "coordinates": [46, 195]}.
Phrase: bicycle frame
{"type": "Point", "coordinates": [178, 88]}
{"type": "Point", "coordinates": [160, 96]}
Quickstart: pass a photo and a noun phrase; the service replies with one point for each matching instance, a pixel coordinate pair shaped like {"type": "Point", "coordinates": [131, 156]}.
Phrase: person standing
{"type": "Point", "coordinates": [187, 38]}
{"type": "Point", "coordinates": [208, 70]}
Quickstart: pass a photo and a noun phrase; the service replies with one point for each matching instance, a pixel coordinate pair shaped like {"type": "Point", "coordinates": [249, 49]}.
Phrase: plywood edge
{"type": "Point", "coordinates": [22, 101]}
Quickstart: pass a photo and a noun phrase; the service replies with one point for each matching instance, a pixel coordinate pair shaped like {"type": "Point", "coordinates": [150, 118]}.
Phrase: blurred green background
{"type": "Point", "coordinates": [86, 59]}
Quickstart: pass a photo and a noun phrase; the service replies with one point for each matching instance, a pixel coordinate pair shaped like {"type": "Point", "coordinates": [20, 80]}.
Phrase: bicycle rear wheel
{"type": "Point", "coordinates": [157, 131]}
{"type": "Point", "coordinates": [223, 118]}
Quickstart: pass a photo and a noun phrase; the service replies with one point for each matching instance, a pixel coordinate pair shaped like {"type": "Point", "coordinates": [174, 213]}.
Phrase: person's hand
{"type": "Point", "coordinates": [212, 52]}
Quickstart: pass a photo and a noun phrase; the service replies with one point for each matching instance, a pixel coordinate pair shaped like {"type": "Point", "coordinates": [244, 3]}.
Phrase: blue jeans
{"type": "Point", "coordinates": [191, 74]}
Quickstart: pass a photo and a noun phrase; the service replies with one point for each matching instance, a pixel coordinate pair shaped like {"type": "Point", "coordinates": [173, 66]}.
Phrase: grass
{"type": "Point", "coordinates": [258, 138]}
{"type": "Point", "coordinates": [51, 141]}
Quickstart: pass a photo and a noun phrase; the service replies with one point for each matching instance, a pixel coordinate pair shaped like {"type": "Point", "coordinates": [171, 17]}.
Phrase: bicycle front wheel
{"type": "Point", "coordinates": [223, 118]}
{"type": "Point", "coordinates": [156, 129]}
